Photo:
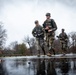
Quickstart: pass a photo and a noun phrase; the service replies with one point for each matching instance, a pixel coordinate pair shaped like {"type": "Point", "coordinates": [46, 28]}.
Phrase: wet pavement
{"type": "Point", "coordinates": [34, 65]}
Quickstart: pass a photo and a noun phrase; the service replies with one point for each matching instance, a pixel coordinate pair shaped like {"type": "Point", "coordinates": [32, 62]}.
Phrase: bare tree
{"type": "Point", "coordinates": [72, 35]}
{"type": "Point", "coordinates": [31, 42]}
{"type": "Point", "coordinates": [13, 45]}
{"type": "Point", "coordinates": [3, 35]}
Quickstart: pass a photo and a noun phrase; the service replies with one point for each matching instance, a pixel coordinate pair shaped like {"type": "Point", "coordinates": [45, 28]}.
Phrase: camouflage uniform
{"type": "Point", "coordinates": [50, 35]}
{"type": "Point", "coordinates": [39, 34]}
{"type": "Point", "coordinates": [63, 40]}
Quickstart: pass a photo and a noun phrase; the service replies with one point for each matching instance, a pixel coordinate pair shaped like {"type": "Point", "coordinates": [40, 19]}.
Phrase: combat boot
{"type": "Point", "coordinates": [49, 54]}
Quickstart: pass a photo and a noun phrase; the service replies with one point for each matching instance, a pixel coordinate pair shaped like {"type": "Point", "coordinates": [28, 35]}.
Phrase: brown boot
{"type": "Point", "coordinates": [38, 55]}
{"type": "Point", "coordinates": [49, 54]}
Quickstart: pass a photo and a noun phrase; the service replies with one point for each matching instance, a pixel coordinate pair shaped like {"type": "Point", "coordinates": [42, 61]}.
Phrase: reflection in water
{"type": "Point", "coordinates": [51, 67]}
{"type": "Point", "coordinates": [46, 67]}
{"type": "Point", "coordinates": [23, 66]}
{"type": "Point", "coordinates": [2, 68]}
{"type": "Point", "coordinates": [74, 66]}
{"type": "Point", "coordinates": [41, 67]}
{"type": "Point", "coordinates": [64, 66]}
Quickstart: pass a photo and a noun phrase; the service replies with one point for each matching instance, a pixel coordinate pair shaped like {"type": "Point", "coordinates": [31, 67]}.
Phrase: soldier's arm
{"type": "Point", "coordinates": [44, 25]}
{"type": "Point", "coordinates": [60, 36]}
{"type": "Point", "coordinates": [33, 32]}
{"type": "Point", "coordinates": [54, 25]}
{"type": "Point", "coordinates": [42, 29]}
{"type": "Point", "coordinates": [66, 36]}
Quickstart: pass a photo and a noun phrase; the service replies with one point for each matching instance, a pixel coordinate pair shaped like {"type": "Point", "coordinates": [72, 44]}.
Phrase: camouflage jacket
{"type": "Point", "coordinates": [63, 36]}
{"type": "Point", "coordinates": [38, 31]}
{"type": "Point", "coordinates": [51, 24]}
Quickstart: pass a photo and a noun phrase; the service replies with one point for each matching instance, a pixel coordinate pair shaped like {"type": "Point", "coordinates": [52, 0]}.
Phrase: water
{"type": "Point", "coordinates": [37, 66]}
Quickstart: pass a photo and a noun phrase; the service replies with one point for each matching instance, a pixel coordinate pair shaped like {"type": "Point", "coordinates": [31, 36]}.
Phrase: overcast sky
{"type": "Point", "coordinates": [18, 16]}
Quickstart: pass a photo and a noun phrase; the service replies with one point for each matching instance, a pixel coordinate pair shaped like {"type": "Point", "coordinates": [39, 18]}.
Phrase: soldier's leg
{"type": "Point", "coordinates": [62, 47]}
{"type": "Point", "coordinates": [65, 49]}
{"type": "Point", "coordinates": [66, 45]}
{"type": "Point", "coordinates": [49, 47]}
{"type": "Point", "coordinates": [47, 42]}
{"type": "Point", "coordinates": [61, 50]}
{"type": "Point", "coordinates": [43, 50]}
{"type": "Point", "coordinates": [37, 46]}
{"type": "Point", "coordinates": [46, 39]}
{"type": "Point", "coordinates": [53, 49]}
{"type": "Point", "coordinates": [42, 45]}
{"type": "Point", "coordinates": [51, 43]}
{"type": "Point", "coordinates": [53, 38]}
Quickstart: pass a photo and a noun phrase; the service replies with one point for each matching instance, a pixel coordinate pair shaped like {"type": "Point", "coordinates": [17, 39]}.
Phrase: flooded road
{"type": "Point", "coordinates": [37, 66]}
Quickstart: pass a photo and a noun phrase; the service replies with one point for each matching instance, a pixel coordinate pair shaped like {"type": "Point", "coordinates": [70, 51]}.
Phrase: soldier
{"type": "Point", "coordinates": [63, 40]}
{"type": "Point", "coordinates": [39, 34]}
{"type": "Point", "coordinates": [50, 27]}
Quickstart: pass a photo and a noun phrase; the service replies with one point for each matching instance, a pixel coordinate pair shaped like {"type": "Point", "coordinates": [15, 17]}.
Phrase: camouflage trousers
{"type": "Point", "coordinates": [40, 44]}
{"type": "Point", "coordinates": [64, 45]}
{"type": "Point", "coordinates": [49, 41]}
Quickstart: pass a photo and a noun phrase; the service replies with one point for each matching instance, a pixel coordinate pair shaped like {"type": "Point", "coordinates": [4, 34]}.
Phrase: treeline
{"type": "Point", "coordinates": [16, 49]}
